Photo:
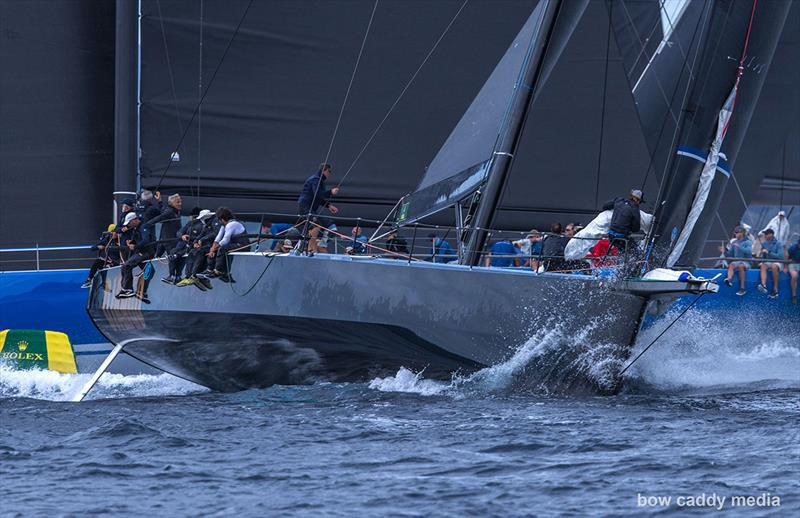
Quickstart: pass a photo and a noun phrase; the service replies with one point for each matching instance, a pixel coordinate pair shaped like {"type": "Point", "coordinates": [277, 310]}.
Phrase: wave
{"type": "Point", "coordinates": [700, 351]}
{"type": "Point", "coordinates": [703, 350]}
{"type": "Point", "coordinates": [54, 386]}
{"type": "Point", "coordinates": [551, 361]}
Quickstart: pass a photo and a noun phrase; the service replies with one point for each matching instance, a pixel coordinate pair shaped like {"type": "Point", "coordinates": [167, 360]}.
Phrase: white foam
{"type": "Point", "coordinates": [408, 381]}
{"type": "Point", "coordinates": [549, 360]}
{"type": "Point", "coordinates": [701, 350]}
{"type": "Point", "coordinates": [54, 386]}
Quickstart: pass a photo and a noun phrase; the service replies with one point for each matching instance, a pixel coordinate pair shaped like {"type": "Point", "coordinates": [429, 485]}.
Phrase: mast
{"type": "Point", "coordinates": [508, 139]}
{"type": "Point", "coordinates": [126, 145]}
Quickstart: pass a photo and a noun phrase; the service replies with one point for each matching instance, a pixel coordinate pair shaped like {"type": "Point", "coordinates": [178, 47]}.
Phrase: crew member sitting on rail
{"type": "Point", "coordinates": [793, 255]}
{"type": "Point", "coordinates": [136, 249]}
{"type": "Point", "coordinates": [197, 259]}
{"type": "Point", "coordinates": [105, 259]}
{"type": "Point", "coordinates": [232, 237]}
{"type": "Point", "coordinates": [740, 248]}
{"type": "Point", "coordinates": [186, 236]}
{"type": "Point", "coordinates": [170, 219]}
{"type": "Point", "coordinates": [771, 248]}
{"type": "Point", "coordinates": [313, 198]}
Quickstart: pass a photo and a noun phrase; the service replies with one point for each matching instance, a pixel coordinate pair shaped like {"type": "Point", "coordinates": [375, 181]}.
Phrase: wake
{"type": "Point", "coordinates": [54, 386]}
{"type": "Point", "coordinates": [699, 353]}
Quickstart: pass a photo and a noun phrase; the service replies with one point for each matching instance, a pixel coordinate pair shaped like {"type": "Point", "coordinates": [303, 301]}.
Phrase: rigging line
{"type": "Point", "coordinates": [352, 78]}
{"type": "Point", "coordinates": [199, 98]}
{"type": "Point", "coordinates": [603, 108]}
{"type": "Point", "coordinates": [208, 88]}
{"type": "Point", "coordinates": [675, 134]}
{"type": "Point", "coordinates": [405, 88]}
{"type": "Point", "coordinates": [169, 68]}
{"type": "Point", "coordinates": [661, 334]}
{"type": "Point", "coordinates": [671, 101]}
{"type": "Point", "coordinates": [339, 119]}
{"type": "Point", "coordinates": [642, 52]}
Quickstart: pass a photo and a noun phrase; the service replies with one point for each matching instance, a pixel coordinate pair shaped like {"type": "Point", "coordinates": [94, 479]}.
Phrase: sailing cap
{"type": "Point", "coordinates": [781, 213]}
{"type": "Point", "coordinates": [738, 229]}
{"type": "Point", "coordinates": [287, 242]}
{"type": "Point", "coordinates": [637, 193]}
{"type": "Point", "coordinates": [112, 227]}
{"type": "Point", "coordinates": [130, 217]}
{"type": "Point", "coordinates": [205, 213]}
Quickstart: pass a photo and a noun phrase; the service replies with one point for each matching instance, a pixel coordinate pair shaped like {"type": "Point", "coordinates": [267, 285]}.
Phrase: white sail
{"type": "Point", "coordinates": [706, 178]}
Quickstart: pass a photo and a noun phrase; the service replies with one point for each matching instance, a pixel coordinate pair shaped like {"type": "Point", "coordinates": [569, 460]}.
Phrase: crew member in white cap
{"type": "Point", "coordinates": [136, 248]}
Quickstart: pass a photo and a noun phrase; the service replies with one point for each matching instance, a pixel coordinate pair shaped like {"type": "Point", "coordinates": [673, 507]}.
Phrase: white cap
{"type": "Point", "coordinates": [129, 217]}
{"type": "Point", "coordinates": [781, 213]}
{"type": "Point", "coordinates": [205, 213]}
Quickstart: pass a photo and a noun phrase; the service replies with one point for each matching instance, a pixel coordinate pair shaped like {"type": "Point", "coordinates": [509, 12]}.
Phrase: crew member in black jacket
{"type": "Point", "coordinates": [196, 260]}
{"type": "Point", "coordinates": [170, 219]}
{"type": "Point", "coordinates": [186, 237]}
{"type": "Point", "coordinates": [625, 220]}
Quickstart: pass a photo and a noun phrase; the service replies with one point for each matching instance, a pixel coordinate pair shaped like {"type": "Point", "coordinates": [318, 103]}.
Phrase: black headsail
{"type": "Point", "coordinates": [477, 154]}
{"type": "Point", "coordinates": [733, 52]}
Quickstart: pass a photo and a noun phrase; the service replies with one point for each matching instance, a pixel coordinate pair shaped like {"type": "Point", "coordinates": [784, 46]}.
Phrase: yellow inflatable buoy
{"type": "Point", "coordinates": [31, 349]}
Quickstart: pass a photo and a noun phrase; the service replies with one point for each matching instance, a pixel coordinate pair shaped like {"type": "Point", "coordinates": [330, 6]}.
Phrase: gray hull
{"type": "Point", "coordinates": [292, 319]}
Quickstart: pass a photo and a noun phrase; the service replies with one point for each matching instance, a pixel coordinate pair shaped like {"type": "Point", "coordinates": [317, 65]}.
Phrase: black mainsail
{"type": "Point", "coordinates": [733, 55]}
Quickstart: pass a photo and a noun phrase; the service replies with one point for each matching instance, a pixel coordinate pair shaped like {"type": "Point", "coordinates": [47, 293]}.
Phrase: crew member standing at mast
{"type": "Point", "coordinates": [313, 198]}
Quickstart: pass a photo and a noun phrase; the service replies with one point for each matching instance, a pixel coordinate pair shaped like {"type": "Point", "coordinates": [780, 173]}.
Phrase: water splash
{"type": "Point", "coordinates": [704, 350]}
{"type": "Point", "coordinates": [54, 386]}
{"type": "Point", "coordinates": [700, 351]}
{"type": "Point", "coordinates": [552, 361]}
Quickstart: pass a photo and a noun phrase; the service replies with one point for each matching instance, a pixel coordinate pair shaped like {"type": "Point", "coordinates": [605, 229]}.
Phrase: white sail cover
{"type": "Point", "coordinates": [781, 228]}
{"type": "Point", "coordinates": [706, 178]}
{"type": "Point", "coordinates": [597, 229]}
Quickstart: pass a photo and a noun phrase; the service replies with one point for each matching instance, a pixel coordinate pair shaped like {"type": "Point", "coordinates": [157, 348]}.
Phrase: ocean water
{"type": "Point", "coordinates": [706, 421]}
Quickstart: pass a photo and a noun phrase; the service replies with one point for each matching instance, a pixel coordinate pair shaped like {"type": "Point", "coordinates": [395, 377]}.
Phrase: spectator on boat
{"type": "Point", "coordinates": [313, 199]}
{"type": "Point", "coordinates": [441, 251]}
{"type": "Point", "coordinates": [286, 246]}
{"type": "Point", "coordinates": [186, 236]}
{"type": "Point", "coordinates": [357, 243]}
{"type": "Point", "coordinates": [578, 265]}
{"type": "Point", "coordinates": [170, 219]}
{"type": "Point", "coordinates": [396, 244]}
{"type": "Point", "coordinates": [136, 250]}
{"type": "Point", "coordinates": [771, 248]}
{"type": "Point", "coordinates": [740, 249]}
{"type": "Point", "coordinates": [793, 255]}
{"type": "Point", "coordinates": [553, 247]}
{"type": "Point", "coordinates": [530, 247]}
{"type": "Point", "coordinates": [502, 254]}
{"type": "Point", "coordinates": [780, 226]}
{"type": "Point", "coordinates": [325, 237]}
{"type": "Point", "coordinates": [277, 232]}
{"type": "Point", "coordinates": [232, 237]}
{"type": "Point", "coordinates": [104, 256]}
{"type": "Point", "coordinates": [197, 258]}
{"type": "Point", "coordinates": [625, 220]}
{"type": "Point", "coordinates": [602, 255]}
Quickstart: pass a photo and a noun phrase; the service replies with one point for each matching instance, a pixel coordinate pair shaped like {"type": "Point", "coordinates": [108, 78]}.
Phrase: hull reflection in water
{"type": "Point", "coordinates": [294, 319]}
